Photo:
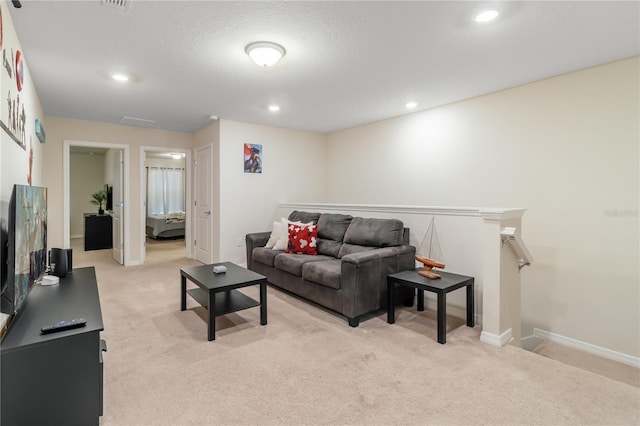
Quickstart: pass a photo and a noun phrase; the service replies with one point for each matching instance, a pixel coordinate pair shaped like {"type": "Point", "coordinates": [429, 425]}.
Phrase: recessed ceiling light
{"type": "Point", "coordinates": [265, 53]}
{"type": "Point", "coordinates": [411, 105]}
{"type": "Point", "coordinates": [274, 108]}
{"type": "Point", "coordinates": [486, 16]}
{"type": "Point", "coordinates": [213, 117]}
{"type": "Point", "coordinates": [120, 77]}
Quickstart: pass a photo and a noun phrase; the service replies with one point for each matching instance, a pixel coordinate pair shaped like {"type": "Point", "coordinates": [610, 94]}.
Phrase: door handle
{"type": "Point", "coordinates": [208, 212]}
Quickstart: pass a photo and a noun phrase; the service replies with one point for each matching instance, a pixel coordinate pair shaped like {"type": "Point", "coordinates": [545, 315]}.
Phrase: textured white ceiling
{"type": "Point", "coordinates": [347, 63]}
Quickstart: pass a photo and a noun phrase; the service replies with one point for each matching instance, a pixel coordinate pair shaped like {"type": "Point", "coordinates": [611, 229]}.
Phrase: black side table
{"type": "Point", "coordinates": [441, 287]}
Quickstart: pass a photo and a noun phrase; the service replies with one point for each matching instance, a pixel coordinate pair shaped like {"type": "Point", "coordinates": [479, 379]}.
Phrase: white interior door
{"type": "Point", "coordinates": [118, 207]}
{"type": "Point", "coordinates": [203, 205]}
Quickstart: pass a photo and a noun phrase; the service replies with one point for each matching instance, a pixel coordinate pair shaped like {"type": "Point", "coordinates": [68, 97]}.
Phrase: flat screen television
{"type": "Point", "coordinates": [26, 245]}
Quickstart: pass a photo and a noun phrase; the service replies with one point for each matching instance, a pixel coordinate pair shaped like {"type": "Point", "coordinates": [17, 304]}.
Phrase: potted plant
{"type": "Point", "coordinates": [99, 198]}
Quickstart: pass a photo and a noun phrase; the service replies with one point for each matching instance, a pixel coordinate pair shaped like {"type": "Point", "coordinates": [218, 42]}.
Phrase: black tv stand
{"type": "Point", "coordinates": [54, 378]}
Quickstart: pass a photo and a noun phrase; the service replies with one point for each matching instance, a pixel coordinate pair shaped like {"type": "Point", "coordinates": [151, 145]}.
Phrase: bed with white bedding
{"type": "Point", "coordinates": [170, 225]}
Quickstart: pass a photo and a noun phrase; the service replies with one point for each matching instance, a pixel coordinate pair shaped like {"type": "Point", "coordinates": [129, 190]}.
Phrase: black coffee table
{"type": "Point", "coordinates": [441, 287]}
{"type": "Point", "coordinates": [218, 292]}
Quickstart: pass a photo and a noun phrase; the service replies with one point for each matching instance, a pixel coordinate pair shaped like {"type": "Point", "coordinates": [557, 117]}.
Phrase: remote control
{"type": "Point", "coordinates": [63, 325]}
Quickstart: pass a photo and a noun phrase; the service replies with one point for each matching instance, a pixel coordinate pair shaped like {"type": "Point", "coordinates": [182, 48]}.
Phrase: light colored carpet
{"type": "Point", "coordinates": [606, 367]}
{"type": "Point", "coordinates": [307, 366]}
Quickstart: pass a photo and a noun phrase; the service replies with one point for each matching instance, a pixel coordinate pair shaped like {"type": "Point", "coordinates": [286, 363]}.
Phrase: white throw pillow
{"type": "Point", "coordinates": [276, 232]}
{"type": "Point", "coordinates": [283, 241]}
{"type": "Point", "coordinates": [283, 238]}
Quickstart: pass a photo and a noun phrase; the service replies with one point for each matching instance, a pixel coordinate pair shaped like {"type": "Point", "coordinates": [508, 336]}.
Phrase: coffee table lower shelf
{"type": "Point", "coordinates": [225, 301]}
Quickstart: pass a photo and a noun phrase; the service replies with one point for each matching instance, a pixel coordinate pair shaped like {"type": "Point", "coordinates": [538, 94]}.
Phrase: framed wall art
{"type": "Point", "coordinates": [252, 158]}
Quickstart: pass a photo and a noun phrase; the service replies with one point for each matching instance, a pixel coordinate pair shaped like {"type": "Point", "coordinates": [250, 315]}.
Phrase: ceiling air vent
{"type": "Point", "coordinates": [121, 6]}
{"type": "Point", "coordinates": [138, 122]}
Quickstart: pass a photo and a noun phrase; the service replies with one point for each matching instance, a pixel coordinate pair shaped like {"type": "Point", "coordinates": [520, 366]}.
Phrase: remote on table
{"type": "Point", "coordinates": [63, 325]}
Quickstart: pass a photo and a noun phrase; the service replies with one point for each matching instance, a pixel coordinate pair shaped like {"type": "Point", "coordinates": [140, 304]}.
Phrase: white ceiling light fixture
{"type": "Point", "coordinates": [274, 108]}
{"type": "Point", "coordinates": [265, 53]}
{"type": "Point", "coordinates": [176, 156]}
{"type": "Point", "coordinates": [486, 16]}
{"type": "Point", "coordinates": [120, 77]}
{"type": "Point", "coordinates": [411, 105]}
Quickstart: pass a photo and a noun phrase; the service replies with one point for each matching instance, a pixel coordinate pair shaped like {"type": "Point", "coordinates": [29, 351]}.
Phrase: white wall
{"type": "Point", "coordinates": [566, 149]}
{"type": "Point", "coordinates": [17, 164]}
{"type": "Point", "coordinates": [60, 129]}
{"type": "Point", "coordinates": [14, 160]}
{"type": "Point", "coordinates": [86, 177]}
{"type": "Point", "coordinates": [294, 168]}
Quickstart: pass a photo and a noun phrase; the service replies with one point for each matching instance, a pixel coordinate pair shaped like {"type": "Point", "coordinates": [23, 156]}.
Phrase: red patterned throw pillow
{"type": "Point", "coordinates": [302, 238]}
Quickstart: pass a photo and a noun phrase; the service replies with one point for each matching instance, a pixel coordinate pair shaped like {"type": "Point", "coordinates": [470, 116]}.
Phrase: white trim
{"type": "Point", "coordinates": [66, 161]}
{"type": "Point", "coordinates": [501, 214]}
{"type": "Point", "coordinates": [495, 340]}
{"type": "Point", "coordinates": [484, 212]}
{"type": "Point", "coordinates": [588, 347]}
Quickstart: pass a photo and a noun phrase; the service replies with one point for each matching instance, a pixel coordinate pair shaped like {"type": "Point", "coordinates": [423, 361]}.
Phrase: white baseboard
{"type": "Point", "coordinates": [588, 347]}
{"type": "Point", "coordinates": [496, 340]}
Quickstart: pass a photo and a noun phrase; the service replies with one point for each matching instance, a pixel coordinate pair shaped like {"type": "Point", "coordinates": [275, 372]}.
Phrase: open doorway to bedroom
{"type": "Point", "coordinates": [165, 189]}
{"type": "Point", "coordinates": [91, 168]}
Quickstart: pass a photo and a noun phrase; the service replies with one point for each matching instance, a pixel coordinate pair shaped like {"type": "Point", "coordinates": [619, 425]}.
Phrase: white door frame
{"type": "Point", "coordinates": [143, 200]}
{"type": "Point", "coordinates": [116, 210]}
{"type": "Point", "coordinates": [211, 198]}
{"type": "Point", "coordinates": [66, 183]}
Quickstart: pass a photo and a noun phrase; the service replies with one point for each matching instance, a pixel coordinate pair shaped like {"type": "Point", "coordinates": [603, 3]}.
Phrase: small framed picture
{"type": "Point", "coordinates": [252, 158]}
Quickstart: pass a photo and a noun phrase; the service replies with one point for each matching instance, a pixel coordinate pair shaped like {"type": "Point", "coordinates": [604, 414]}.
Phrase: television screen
{"type": "Point", "coordinates": [27, 244]}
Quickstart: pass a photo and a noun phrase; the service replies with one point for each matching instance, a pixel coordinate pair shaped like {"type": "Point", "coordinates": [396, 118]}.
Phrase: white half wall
{"type": "Point", "coordinates": [566, 149]}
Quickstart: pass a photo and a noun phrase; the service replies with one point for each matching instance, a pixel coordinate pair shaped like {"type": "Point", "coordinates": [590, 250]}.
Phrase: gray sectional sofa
{"type": "Point", "coordinates": [349, 273]}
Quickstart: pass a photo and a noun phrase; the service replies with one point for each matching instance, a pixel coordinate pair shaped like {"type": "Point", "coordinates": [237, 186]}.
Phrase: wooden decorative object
{"type": "Point", "coordinates": [429, 264]}
{"type": "Point", "coordinates": [430, 247]}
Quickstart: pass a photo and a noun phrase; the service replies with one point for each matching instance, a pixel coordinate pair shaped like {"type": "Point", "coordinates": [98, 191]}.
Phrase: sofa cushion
{"type": "Point", "coordinates": [331, 229]}
{"type": "Point", "coordinates": [302, 239]}
{"type": "Point", "coordinates": [264, 255]}
{"type": "Point", "coordinates": [374, 232]}
{"type": "Point", "coordinates": [304, 217]}
{"type": "Point", "coordinates": [346, 249]}
{"type": "Point", "coordinates": [326, 273]}
{"type": "Point", "coordinates": [292, 263]}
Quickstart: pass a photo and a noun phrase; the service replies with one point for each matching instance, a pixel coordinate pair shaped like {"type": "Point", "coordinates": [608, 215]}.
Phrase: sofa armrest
{"type": "Point", "coordinates": [253, 240]}
{"type": "Point", "coordinates": [364, 276]}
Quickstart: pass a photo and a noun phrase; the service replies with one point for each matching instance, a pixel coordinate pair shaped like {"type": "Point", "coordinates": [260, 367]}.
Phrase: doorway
{"type": "Point", "coordinates": [75, 204]}
{"type": "Point", "coordinates": [165, 213]}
